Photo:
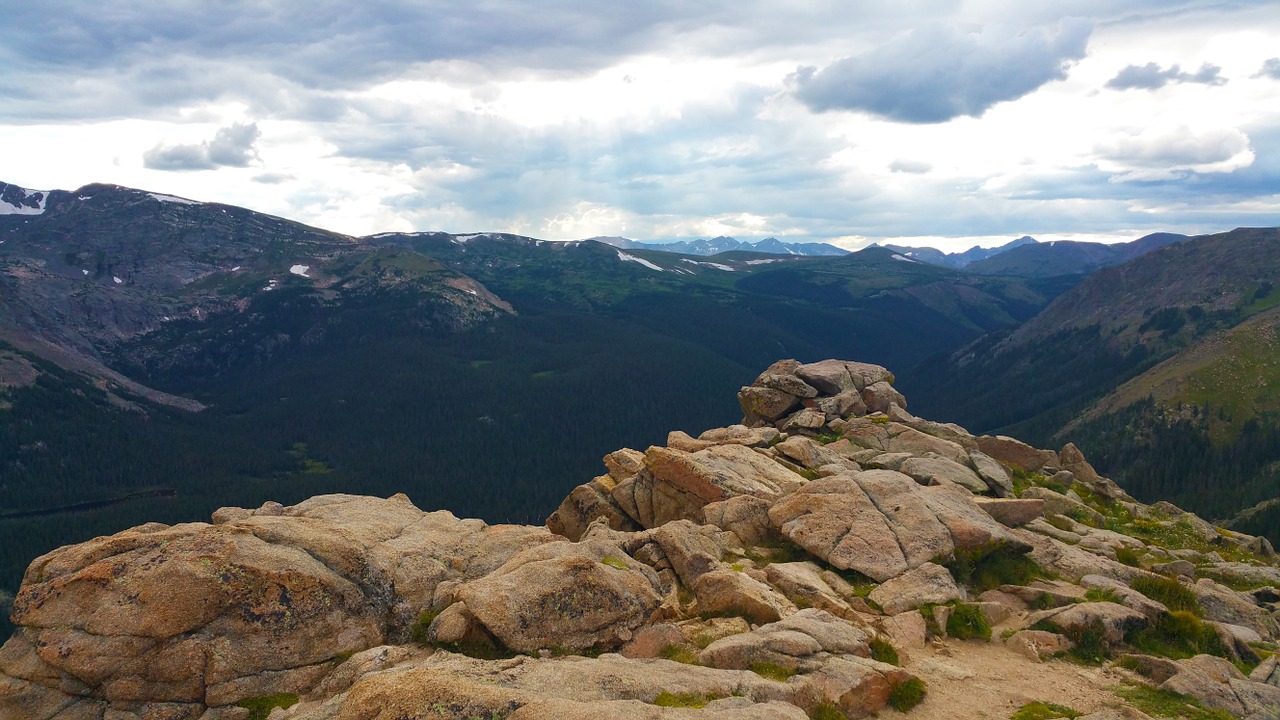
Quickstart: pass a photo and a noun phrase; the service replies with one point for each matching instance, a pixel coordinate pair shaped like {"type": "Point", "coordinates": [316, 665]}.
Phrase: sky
{"type": "Point", "coordinates": [934, 122]}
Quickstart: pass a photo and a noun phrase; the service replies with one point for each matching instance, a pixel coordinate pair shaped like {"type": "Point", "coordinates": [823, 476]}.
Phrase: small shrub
{"type": "Point", "coordinates": [1169, 592]}
{"type": "Point", "coordinates": [1043, 711]}
{"type": "Point", "coordinates": [967, 621]}
{"type": "Point", "coordinates": [827, 438]}
{"type": "Point", "coordinates": [680, 654]}
{"type": "Point", "coordinates": [260, 707]}
{"type": "Point", "coordinates": [880, 420]}
{"type": "Point", "coordinates": [613, 562]}
{"type": "Point", "coordinates": [682, 700]}
{"type": "Point", "coordinates": [1044, 601]}
{"type": "Point", "coordinates": [769, 671]}
{"type": "Point", "coordinates": [826, 711]}
{"type": "Point", "coordinates": [906, 695]}
{"type": "Point", "coordinates": [1178, 635]}
{"type": "Point", "coordinates": [1090, 643]}
{"type": "Point", "coordinates": [989, 568]}
{"type": "Point", "coordinates": [883, 651]}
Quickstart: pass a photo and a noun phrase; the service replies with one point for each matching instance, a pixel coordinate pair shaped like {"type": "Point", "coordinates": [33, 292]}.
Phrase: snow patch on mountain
{"type": "Point", "coordinates": [300, 270]}
{"type": "Point", "coordinates": [172, 199]}
{"type": "Point", "coordinates": [717, 266]}
{"type": "Point", "coordinates": [20, 201]}
{"type": "Point", "coordinates": [634, 259]}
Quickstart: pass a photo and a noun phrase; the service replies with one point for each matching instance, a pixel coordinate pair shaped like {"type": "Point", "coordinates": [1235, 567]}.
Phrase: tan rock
{"type": "Point", "coordinates": [905, 630]}
{"type": "Point", "coordinates": [880, 396]}
{"type": "Point", "coordinates": [830, 377]}
{"type": "Point", "coordinates": [804, 583]}
{"type": "Point", "coordinates": [1037, 645]}
{"type": "Point", "coordinates": [767, 404]}
{"type": "Point", "coordinates": [991, 472]}
{"type": "Point", "coordinates": [720, 472]}
{"type": "Point", "coordinates": [1011, 512]}
{"type": "Point", "coordinates": [573, 595]}
{"type": "Point", "coordinates": [787, 383]}
{"type": "Point", "coordinates": [926, 584]}
{"type": "Point", "coordinates": [624, 463]}
{"type": "Point", "coordinates": [788, 642]}
{"type": "Point", "coordinates": [833, 518]}
{"type": "Point", "coordinates": [744, 516]}
{"type": "Point", "coordinates": [1115, 620]}
{"type": "Point", "coordinates": [935, 470]}
{"type": "Point", "coordinates": [583, 505]}
{"type": "Point", "coordinates": [1015, 453]}
{"type": "Point", "coordinates": [728, 591]}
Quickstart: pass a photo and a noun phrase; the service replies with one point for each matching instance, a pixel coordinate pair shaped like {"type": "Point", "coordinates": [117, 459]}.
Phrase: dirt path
{"type": "Point", "coordinates": [974, 680]}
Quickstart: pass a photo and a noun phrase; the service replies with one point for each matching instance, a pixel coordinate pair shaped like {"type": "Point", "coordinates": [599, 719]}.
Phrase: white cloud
{"type": "Point", "coordinates": [1162, 153]}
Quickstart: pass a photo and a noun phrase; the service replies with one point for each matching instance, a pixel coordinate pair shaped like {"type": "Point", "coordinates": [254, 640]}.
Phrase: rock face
{"type": "Point", "coordinates": [775, 557]}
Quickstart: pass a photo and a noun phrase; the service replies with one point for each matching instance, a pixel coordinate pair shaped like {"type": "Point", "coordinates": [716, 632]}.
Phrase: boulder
{"type": "Point", "coordinates": [804, 583]}
{"type": "Point", "coordinates": [740, 435]}
{"type": "Point", "coordinates": [745, 516]}
{"type": "Point", "coordinates": [624, 463]}
{"type": "Point", "coordinates": [720, 472]}
{"type": "Point", "coordinates": [937, 470]}
{"type": "Point", "coordinates": [830, 377]}
{"type": "Point", "coordinates": [833, 518]}
{"type": "Point", "coordinates": [1011, 512]}
{"type": "Point", "coordinates": [786, 643]}
{"type": "Point", "coordinates": [926, 584]}
{"type": "Point", "coordinates": [572, 595]}
{"type": "Point", "coordinates": [880, 396]}
{"type": "Point", "coordinates": [899, 438]}
{"type": "Point", "coordinates": [736, 593]}
{"type": "Point", "coordinates": [583, 505]}
{"type": "Point", "coordinates": [787, 383]}
{"type": "Point", "coordinates": [1015, 453]}
{"type": "Point", "coordinates": [1218, 684]}
{"type": "Point", "coordinates": [1127, 596]}
{"type": "Point", "coordinates": [1116, 620]}
{"type": "Point", "coordinates": [765, 404]}
{"type": "Point", "coordinates": [1036, 645]}
{"type": "Point", "coordinates": [1056, 503]}
{"type": "Point", "coordinates": [992, 473]}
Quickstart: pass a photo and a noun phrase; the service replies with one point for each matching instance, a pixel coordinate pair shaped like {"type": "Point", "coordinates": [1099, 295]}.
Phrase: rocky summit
{"type": "Point", "coordinates": [832, 556]}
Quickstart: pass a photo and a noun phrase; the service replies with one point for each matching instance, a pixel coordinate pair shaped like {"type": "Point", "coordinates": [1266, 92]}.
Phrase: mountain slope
{"type": "Point", "coordinates": [1161, 368]}
{"type": "Point", "coordinates": [723, 244]}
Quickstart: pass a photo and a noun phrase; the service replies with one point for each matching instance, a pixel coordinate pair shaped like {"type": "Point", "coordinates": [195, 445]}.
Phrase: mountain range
{"type": "Point", "coordinates": [160, 357]}
{"type": "Point", "coordinates": [723, 244]}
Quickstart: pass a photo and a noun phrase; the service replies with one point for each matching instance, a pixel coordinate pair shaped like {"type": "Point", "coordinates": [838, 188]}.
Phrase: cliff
{"type": "Point", "coordinates": [832, 556]}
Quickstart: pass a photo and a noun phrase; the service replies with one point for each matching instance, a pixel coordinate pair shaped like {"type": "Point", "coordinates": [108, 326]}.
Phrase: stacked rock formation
{"type": "Point", "coordinates": [777, 568]}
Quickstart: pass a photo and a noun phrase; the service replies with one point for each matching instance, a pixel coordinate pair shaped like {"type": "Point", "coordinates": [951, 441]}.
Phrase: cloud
{"type": "Point", "coordinates": [916, 167]}
{"type": "Point", "coordinates": [273, 178]}
{"type": "Point", "coordinates": [1270, 68]}
{"type": "Point", "coordinates": [937, 73]}
{"type": "Point", "coordinates": [1165, 153]}
{"type": "Point", "coordinates": [1152, 77]}
{"type": "Point", "coordinates": [232, 146]}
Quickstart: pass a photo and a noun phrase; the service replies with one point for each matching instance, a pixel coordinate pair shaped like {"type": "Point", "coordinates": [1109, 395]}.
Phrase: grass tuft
{"type": "Point", "coordinates": [826, 711]}
{"type": "Point", "coordinates": [967, 621]}
{"type": "Point", "coordinates": [906, 695]}
{"type": "Point", "coordinates": [883, 651]}
{"type": "Point", "coordinates": [1169, 592]}
{"type": "Point", "coordinates": [770, 671]}
{"type": "Point", "coordinates": [682, 700]}
{"type": "Point", "coordinates": [1044, 711]}
{"type": "Point", "coordinates": [418, 633]}
{"type": "Point", "coordinates": [989, 568]}
{"type": "Point", "coordinates": [1178, 635]}
{"type": "Point", "coordinates": [680, 654]}
{"type": "Point", "coordinates": [1166, 704]}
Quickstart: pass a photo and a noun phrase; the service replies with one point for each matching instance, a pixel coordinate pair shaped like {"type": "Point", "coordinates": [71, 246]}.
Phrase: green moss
{"type": "Point", "coordinates": [1043, 711]}
{"type": "Point", "coordinates": [343, 657]}
{"type": "Point", "coordinates": [776, 551]}
{"type": "Point", "coordinates": [613, 562]}
{"type": "Point", "coordinates": [1177, 635]}
{"type": "Point", "coordinates": [827, 438]}
{"type": "Point", "coordinates": [771, 671]}
{"type": "Point", "coordinates": [1166, 704]}
{"type": "Point", "coordinates": [682, 700]}
{"type": "Point", "coordinates": [418, 633]}
{"type": "Point", "coordinates": [967, 621]}
{"type": "Point", "coordinates": [260, 707]}
{"type": "Point", "coordinates": [883, 651]}
{"type": "Point", "coordinates": [680, 654]}
{"type": "Point", "coordinates": [880, 420]}
{"type": "Point", "coordinates": [826, 711]}
{"type": "Point", "coordinates": [1169, 592]}
{"type": "Point", "coordinates": [906, 695]}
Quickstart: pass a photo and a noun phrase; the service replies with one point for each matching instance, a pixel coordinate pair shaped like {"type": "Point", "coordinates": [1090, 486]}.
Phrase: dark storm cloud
{"type": "Point", "coordinates": [1152, 77]}
{"type": "Point", "coordinates": [938, 73]}
{"type": "Point", "coordinates": [232, 146]}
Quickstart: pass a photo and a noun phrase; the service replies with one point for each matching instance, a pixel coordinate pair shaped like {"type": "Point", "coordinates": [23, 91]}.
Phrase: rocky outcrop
{"type": "Point", "coordinates": [752, 570]}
